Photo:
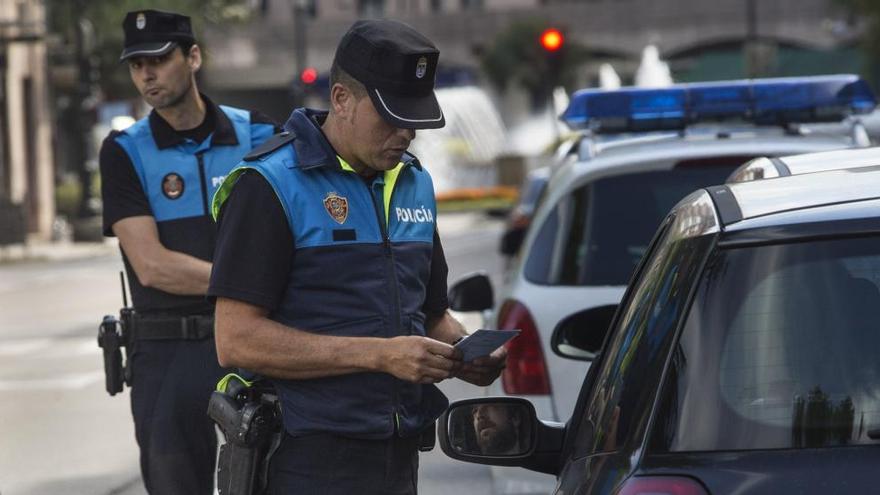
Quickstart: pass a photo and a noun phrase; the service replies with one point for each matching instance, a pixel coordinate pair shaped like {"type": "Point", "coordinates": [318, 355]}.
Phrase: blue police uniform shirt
{"type": "Point", "coordinates": [151, 169]}
{"type": "Point", "coordinates": [362, 262]}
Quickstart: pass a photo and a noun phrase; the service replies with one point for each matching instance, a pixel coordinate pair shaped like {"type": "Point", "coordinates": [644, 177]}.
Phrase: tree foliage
{"type": "Point", "coordinates": [516, 56]}
{"type": "Point", "coordinates": [867, 12]}
{"type": "Point", "coordinates": [104, 27]}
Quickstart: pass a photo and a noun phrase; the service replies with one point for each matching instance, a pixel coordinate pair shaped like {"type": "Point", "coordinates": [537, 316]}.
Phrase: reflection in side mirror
{"type": "Point", "coordinates": [580, 336]}
{"type": "Point", "coordinates": [496, 428]}
{"type": "Point", "coordinates": [472, 292]}
{"type": "Point", "coordinates": [501, 431]}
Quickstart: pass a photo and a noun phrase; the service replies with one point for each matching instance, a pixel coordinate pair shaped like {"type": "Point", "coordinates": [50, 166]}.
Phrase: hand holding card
{"type": "Point", "coordinates": [483, 342]}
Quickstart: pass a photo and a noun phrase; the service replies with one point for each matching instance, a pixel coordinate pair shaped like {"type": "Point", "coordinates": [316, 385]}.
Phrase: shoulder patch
{"type": "Point", "coordinates": [271, 144]}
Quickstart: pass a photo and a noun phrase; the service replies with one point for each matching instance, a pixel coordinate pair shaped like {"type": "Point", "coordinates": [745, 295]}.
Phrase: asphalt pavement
{"type": "Point", "coordinates": [68, 435]}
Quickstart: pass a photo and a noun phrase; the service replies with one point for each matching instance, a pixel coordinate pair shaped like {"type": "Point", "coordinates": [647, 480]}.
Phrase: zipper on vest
{"type": "Point", "coordinates": [379, 208]}
{"type": "Point", "coordinates": [203, 178]}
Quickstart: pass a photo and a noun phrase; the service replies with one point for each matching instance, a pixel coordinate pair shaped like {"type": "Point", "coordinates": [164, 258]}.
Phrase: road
{"type": "Point", "coordinates": [61, 432]}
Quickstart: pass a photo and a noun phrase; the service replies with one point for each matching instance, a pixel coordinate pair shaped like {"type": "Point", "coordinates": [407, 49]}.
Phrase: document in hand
{"type": "Point", "coordinates": [483, 342]}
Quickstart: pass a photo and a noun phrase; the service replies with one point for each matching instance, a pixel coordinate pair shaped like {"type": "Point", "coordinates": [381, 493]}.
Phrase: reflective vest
{"type": "Point", "coordinates": [179, 180]}
{"type": "Point", "coordinates": [360, 269]}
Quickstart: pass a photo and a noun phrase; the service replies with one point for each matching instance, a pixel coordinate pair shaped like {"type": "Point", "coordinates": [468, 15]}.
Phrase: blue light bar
{"type": "Point", "coordinates": [635, 109]}
{"type": "Point", "coordinates": [777, 101]}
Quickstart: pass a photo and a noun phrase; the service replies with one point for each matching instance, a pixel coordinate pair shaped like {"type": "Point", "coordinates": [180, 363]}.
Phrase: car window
{"type": "Point", "coordinates": [633, 359]}
{"type": "Point", "coordinates": [606, 225]}
{"type": "Point", "coordinates": [779, 351]}
{"type": "Point", "coordinates": [531, 192]}
{"type": "Point", "coordinates": [538, 264]}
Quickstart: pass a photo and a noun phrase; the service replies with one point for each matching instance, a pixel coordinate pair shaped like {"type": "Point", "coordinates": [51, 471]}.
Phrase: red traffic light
{"type": "Point", "coordinates": [309, 75]}
{"type": "Point", "coordinates": [551, 39]}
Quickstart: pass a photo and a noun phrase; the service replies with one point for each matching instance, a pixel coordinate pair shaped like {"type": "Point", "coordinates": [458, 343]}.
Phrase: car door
{"type": "Point", "coordinates": [608, 427]}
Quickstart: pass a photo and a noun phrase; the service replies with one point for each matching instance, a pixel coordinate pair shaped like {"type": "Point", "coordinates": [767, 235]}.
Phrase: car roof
{"type": "Point", "coordinates": [663, 150]}
{"type": "Point", "coordinates": [745, 201]}
{"type": "Point", "coordinates": [768, 167]}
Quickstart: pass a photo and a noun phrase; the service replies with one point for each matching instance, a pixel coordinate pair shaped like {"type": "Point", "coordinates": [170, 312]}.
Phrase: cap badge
{"type": "Point", "coordinates": [141, 21]}
{"type": "Point", "coordinates": [172, 186]}
{"type": "Point", "coordinates": [421, 68]}
{"type": "Point", "coordinates": [336, 206]}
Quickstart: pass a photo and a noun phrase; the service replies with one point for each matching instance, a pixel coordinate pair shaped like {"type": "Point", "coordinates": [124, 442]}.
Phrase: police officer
{"type": "Point", "coordinates": [157, 178]}
{"type": "Point", "coordinates": [330, 278]}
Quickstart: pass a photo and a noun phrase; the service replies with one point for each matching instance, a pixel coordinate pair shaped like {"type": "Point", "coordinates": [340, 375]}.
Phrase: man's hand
{"type": "Point", "coordinates": [485, 370]}
{"type": "Point", "coordinates": [420, 359]}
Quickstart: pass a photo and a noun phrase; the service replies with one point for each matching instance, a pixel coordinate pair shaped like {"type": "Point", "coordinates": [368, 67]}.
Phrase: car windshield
{"type": "Point", "coordinates": [615, 217]}
{"type": "Point", "coordinates": [779, 351]}
{"type": "Point", "coordinates": [532, 190]}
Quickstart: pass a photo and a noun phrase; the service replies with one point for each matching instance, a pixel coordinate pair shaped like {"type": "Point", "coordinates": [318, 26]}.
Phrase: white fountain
{"type": "Point", "coordinates": [608, 78]}
{"type": "Point", "coordinates": [652, 72]}
{"type": "Point", "coordinates": [462, 154]}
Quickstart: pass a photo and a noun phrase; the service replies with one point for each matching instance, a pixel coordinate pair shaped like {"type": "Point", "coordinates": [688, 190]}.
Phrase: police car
{"type": "Point", "coordinates": [641, 152]}
{"type": "Point", "coordinates": [742, 358]}
{"type": "Point", "coordinates": [769, 167]}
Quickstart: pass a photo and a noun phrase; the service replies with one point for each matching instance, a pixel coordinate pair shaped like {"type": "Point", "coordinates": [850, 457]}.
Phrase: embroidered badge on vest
{"type": "Point", "coordinates": [172, 186]}
{"type": "Point", "coordinates": [336, 206]}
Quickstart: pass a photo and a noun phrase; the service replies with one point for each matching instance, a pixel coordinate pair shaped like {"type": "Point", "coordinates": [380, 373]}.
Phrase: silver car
{"type": "Point", "coordinates": [594, 223]}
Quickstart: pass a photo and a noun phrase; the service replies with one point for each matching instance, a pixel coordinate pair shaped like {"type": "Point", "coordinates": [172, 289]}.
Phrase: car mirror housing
{"type": "Point", "coordinates": [581, 335]}
{"type": "Point", "coordinates": [500, 431]}
{"type": "Point", "coordinates": [473, 292]}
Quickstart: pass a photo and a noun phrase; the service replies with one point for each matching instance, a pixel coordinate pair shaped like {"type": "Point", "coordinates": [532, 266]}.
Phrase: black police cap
{"type": "Point", "coordinates": [397, 65]}
{"type": "Point", "coordinates": [153, 33]}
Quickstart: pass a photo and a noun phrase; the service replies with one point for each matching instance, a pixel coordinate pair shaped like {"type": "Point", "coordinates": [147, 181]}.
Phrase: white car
{"type": "Point", "coordinates": [604, 203]}
{"type": "Point", "coordinates": [783, 166]}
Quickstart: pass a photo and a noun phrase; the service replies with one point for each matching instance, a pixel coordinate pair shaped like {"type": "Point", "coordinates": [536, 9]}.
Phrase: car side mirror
{"type": "Point", "coordinates": [581, 335]}
{"type": "Point", "coordinates": [501, 431]}
{"type": "Point", "coordinates": [473, 292]}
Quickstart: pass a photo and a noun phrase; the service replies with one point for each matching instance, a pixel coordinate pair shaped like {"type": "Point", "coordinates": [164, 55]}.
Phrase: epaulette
{"type": "Point", "coordinates": [271, 144]}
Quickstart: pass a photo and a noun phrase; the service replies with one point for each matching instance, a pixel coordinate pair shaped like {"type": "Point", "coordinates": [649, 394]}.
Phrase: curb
{"type": "Point", "coordinates": [55, 251]}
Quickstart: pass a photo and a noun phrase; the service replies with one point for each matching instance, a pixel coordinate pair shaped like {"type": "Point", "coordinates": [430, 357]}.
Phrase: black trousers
{"type": "Point", "coordinates": [172, 382]}
{"type": "Point", "coordinates": [332, 465]}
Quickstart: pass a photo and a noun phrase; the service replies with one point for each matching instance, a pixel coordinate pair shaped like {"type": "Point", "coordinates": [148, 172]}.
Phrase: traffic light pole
{"type": "Point", "coordinates": [299, 48]}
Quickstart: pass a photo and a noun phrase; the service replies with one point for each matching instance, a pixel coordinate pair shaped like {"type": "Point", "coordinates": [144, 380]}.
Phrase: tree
{"type": "Point", "coordinates": [516, 55]}
{"type": "Point", "coordinates": [868, 12]}
{"type": "Point", "coordinates": [104, 19]}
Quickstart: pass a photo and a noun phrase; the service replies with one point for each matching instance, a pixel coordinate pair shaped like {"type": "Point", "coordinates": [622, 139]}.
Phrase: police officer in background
{"type": "Point", "coordinates": [157, 178]}
{"type": "Point", "coordinates": [330, 278]}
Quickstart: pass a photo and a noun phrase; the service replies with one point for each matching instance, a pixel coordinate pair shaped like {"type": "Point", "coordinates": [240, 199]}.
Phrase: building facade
{"type": "Point", "coordinates": [257, 63]}
{"type": "Point", "coordinates": [27, 204]}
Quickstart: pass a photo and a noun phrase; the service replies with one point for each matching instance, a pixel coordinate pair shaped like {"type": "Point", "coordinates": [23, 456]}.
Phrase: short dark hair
{"type": "Point", "coordinates": [186, 46]}
{"type": "Point", "coordinates": [339, 75]}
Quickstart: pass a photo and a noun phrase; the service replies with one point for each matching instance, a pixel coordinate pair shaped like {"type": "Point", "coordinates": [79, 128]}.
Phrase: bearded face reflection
{"type": "Point", "coordinates": [496, 430]}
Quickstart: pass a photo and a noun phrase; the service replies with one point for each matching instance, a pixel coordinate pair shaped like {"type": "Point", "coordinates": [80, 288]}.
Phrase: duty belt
{"type": "Point", "coordinates": [192, 327]}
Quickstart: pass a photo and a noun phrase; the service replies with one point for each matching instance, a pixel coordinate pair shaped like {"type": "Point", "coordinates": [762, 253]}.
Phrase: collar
{"type": "Point", "coordinates": [165, 136]}
{"type": "Point", "coordinates": [311, 145]}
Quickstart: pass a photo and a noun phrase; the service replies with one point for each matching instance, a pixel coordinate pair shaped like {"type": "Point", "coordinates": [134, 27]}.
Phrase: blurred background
{"type": "Point", "coordinates": [62, 90]}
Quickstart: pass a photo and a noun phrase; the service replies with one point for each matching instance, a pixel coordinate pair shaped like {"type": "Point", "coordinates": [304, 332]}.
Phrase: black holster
{"type": "Point", "coordinates": [428, 438]}
{"type": "Point", "coordinates": [113, 336]}
{"type": "Point", "coordinates": [250, 418]}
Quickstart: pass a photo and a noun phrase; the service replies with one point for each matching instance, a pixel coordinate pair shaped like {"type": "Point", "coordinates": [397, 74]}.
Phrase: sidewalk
{"type": "Point", "coordinates": [56, 251]}
{"type": "Point", "coordinates": [449, 224]}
